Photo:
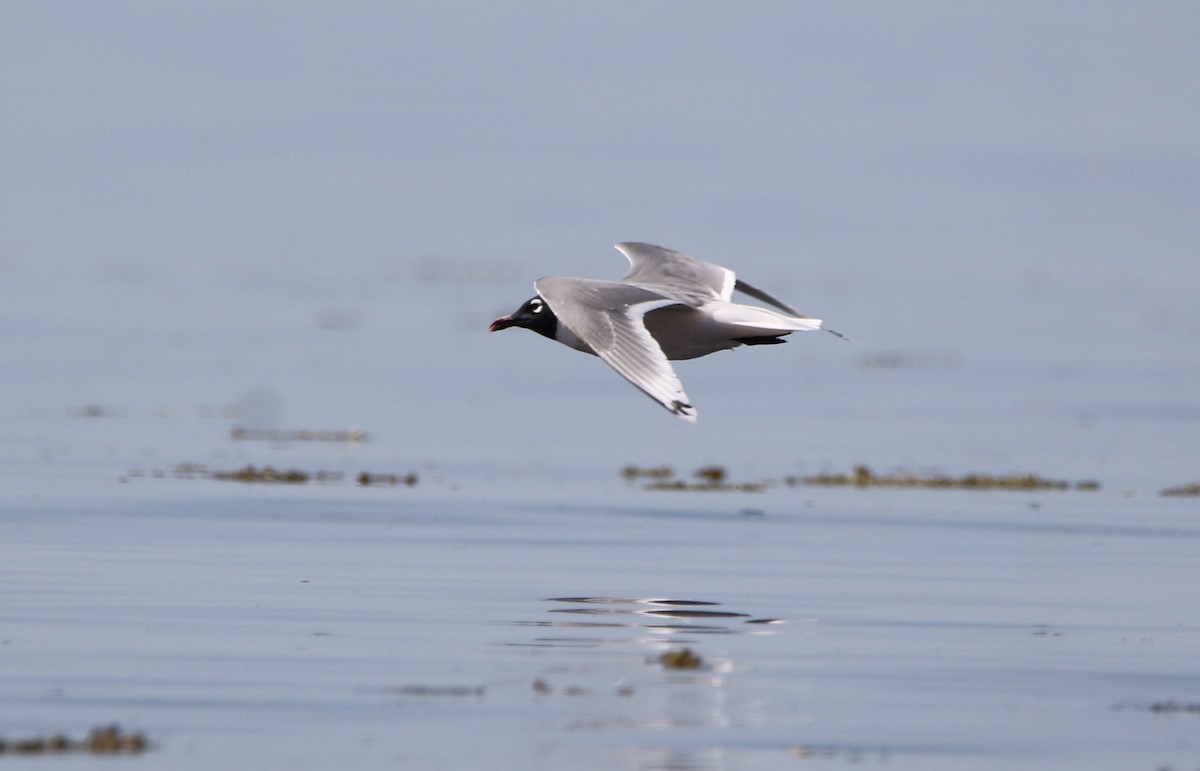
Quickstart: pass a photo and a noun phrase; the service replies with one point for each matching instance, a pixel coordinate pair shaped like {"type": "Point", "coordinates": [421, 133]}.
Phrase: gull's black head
{"type": "Point", "coordinates": [535, 315]}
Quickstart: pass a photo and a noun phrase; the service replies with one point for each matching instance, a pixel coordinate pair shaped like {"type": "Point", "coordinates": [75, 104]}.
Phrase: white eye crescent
{"type": "Point", "coordinates": [535, 306]}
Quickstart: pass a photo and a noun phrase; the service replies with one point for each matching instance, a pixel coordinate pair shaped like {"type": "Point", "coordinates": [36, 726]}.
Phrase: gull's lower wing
{"type": "Point", "coordinates": [608, 316]}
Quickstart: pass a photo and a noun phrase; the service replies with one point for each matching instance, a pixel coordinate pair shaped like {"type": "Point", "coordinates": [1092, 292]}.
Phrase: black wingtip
{"type": "Point", "coordinates": [683, 410]}
{"type": "Point", "coordinates": [762, 296]}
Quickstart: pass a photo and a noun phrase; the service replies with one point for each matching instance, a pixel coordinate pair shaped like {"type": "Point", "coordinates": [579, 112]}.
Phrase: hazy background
{"type": "Point", "coordinates": [305, 214]}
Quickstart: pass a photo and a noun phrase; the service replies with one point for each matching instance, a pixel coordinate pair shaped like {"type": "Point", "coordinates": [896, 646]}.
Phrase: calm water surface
{"type": "Point", "coordinates": [329, 624]}
{"type": "Point", "coordinates": [246, 627]}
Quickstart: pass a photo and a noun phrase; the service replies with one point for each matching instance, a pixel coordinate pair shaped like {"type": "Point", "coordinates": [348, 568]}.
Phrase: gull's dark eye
{"type": "Point", "coordinates": [535, 305]}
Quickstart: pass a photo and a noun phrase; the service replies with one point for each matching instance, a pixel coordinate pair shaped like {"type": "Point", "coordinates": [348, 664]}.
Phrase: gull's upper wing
{"type": "Point", "coordinates": [687, 279]}
{"type": "Point", "coordinates": [608, 317]}
{"type": "Point", "coordinates": [675, 275]}
{"type": "Point", "coordinates": [759, 294]}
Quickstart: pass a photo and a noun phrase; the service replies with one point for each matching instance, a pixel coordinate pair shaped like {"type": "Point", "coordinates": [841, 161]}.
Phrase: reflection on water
{"type": "Point", "coordinates": [589, 682]}
{"type": "Point", "coordinates": [666, 613]}
{"type": "Point", "coordinates": [628, 601]}
{"type": "Point", "coordinates": [642, 623]}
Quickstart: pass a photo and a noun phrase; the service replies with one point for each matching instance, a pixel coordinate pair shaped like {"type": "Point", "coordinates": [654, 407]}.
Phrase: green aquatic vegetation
{"type": "Point", "coordinates": [1181, 491]}
{"type": "Point", "coordinates": [683, 658]}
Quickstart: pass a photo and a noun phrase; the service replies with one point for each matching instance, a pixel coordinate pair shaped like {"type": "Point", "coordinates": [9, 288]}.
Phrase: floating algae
{"type": "Point", "coordinates": [105, 740]}
{"type": "Point", "coordinates": [352, 435]}
{"type": "Point", "coordinates": [632, 472]}
{"type": "Point", "coordinates": [1181, 491]}
{"type": "Point", "coordinates": [714, 479]}
{"type": "Point", "coordinates": [264, 474]}
{"type": "Point", "coordinates": [366, 479]}
{"type": "Point", "coordinates": [709, 479]}
{"type": "Point", "coordinates": [683, 658]}
{"type": "Point", "coordinates": [458, 691]}
{"type": "Point", "coordinates": [713, 475]}
{"type": "Point", "coordinates": [270, 475]}
{"type": "Point", "coordinates": [864, 477]}
{"type": "Point", "coordinates": [706, 487]}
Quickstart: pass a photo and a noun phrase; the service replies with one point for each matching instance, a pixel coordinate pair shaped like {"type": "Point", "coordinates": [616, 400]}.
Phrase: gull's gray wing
{"type": "Point", "coordinates": [666, 271]}
{"type": "Point", "coordinates": [691, 281]}
{"type": "Point", "coordinates": [608, 316]}
{"type": "Point", "coordinates": [676, 275]}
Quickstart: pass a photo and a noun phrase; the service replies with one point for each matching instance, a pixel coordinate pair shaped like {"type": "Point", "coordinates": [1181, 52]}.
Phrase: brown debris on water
{"type": "Point", "coordinates": [110, 740]}
{"type": "Point", "coordinates": [352, 435]}
{"type": "Point", "coordinates": [632, 472]}
{"type": "Point", "coordinates": [852, 757]}
{"type": "Point", "coordinates": [714, 478]}
{"type": "Point", "coordinates": [103, 740]}
{"type": "Point", "coordinates": [453, 691]}
{"type": "Point", "coordinates": [366, 479]}
{"type": "Point", "coordinates": [713, 475]}
{"type": "Point", "coordinates": [864, 477]}
{"type": "Point", "coordinates": [680, 485]}
{"type": "Point", "coordinates": [251, 474]}
{"type": "Point", "coordinates": [683, 658]}
{"type": "Point", "coordinates": [1181, 491]}
{"type": "Point", "coordinates": [188, 471]}
{"type": "Point", "coordinates": [266, 474]}
{"type": "Point", "coordinates": [708, 479]}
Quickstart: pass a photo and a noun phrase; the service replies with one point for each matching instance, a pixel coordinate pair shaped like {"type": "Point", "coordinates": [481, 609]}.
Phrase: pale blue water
{"type": "Point", "coordinates": [227, 218]}
{"type": "Point", "coordinates": [249, 627]}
